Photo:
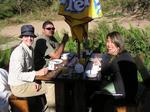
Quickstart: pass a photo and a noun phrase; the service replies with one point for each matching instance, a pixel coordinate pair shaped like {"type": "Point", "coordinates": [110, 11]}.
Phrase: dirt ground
{"type": "Point", "coordinates": [61, 27]}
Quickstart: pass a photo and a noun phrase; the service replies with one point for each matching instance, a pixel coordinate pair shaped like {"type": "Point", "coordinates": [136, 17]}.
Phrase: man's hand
{"type": "Point", "coordinates": [42, 71]}
{"type": "Point", "coordinates": [38, 86]}
{"type": "Point", "coordinates": [65, 38]}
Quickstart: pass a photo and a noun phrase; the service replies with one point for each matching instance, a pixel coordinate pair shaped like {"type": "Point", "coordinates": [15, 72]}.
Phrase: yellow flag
{"type": "Point", "coordinates": [95, 9]}
{"type": "Point", "coordinates": [79, 28]}
{"type": "Point", "coordinates": [78, 13]}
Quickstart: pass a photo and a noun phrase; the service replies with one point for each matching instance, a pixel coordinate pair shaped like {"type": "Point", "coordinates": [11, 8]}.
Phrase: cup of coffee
{"type": "Point", "coordinates": [64, 56]}
{"type": "Point", "coordinates": [51, 65]}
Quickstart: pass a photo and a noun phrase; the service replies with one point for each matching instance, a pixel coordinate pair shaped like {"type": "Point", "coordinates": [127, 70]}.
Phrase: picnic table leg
{"type": "Point", "coordinates": [79, 97]}
{"type": "Point", "coordinates": [78, 48]}
{"type": "Point", "coordinates": [59, 96]}
{"type": "Point", "coordinates": [63, 96]}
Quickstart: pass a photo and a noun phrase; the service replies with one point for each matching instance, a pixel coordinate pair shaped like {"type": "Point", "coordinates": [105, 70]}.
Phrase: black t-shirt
{"type": "Point", "coordinates": [43, 46]}
{"type": "Point", "coordinates": [122, 71]}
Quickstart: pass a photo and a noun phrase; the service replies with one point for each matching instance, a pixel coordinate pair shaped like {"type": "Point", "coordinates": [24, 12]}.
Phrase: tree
{"type": "Point", "coordinates": [19, 5]}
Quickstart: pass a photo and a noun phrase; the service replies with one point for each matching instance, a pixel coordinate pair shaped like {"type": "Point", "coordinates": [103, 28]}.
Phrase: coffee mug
{"type": "Point", "coordinates": [93, 71]}
{"type": "Point", "coordinates": [51, 65]}
{"type": "Point", "coordinates": [64, 56]}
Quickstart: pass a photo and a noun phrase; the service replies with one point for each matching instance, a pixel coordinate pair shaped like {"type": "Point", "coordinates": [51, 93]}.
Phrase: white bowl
{"type": "Point", "coordinates": [91, 73]}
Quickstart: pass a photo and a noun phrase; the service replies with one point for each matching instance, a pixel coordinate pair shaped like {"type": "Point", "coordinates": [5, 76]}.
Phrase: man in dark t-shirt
{"type": "Point", "coordinates": [46, 46]}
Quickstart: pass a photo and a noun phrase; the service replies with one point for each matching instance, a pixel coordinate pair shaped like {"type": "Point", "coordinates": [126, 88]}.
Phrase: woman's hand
{"type": "Point", "coordinates": [97, 61]}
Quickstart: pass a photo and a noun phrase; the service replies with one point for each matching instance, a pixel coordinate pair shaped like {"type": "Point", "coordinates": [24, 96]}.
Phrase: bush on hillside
{"type": "Point", "coordinates": [9, 8]}
{"type": "Point", "coordinates": [140, 8]}
{"type": "Point", "coordinates": [4, 58]}
{"type": "Point", "coordinates": [6, 11]}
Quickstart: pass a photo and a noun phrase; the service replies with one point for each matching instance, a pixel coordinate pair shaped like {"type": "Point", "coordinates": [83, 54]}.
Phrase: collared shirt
{"type": "Point", "coordinates": [43, 46]}
{"type": "Point", "coordinates": [21, 66]}
{"type": "Point", "coordinates": [4, 90]}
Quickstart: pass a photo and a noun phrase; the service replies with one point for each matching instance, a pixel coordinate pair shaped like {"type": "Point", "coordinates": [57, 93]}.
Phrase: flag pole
{"type": "Point", "coordinates": [78, 48]}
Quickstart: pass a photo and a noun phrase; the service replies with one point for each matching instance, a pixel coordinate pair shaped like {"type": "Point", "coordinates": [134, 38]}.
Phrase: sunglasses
{"type": "Point", "coordinates": [50, 28]}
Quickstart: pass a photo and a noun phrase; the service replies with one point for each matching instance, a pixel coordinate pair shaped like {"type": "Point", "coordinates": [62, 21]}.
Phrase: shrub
{"type": "Point", "coordinates": [4, 58]}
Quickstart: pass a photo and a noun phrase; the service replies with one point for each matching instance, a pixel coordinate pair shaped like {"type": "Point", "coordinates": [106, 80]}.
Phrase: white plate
{"type": "Point", "coordinates": [57, 61]}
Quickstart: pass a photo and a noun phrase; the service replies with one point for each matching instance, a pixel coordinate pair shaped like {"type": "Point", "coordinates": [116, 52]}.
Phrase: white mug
{"type": "Point", "coordinates": [95, 69]}
{"type": "Point", "coordinates": [64, 56]}
{"type": "Point", "coordinates": [51, 65]}
{"type": "Point", "coordinates": [91, 73]}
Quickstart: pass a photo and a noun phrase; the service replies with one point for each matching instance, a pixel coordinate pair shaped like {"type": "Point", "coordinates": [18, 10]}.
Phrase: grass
{"type": "Point", "coordinates": [5, 40]}
{"type": "Point", "coordinates": [4, 58]}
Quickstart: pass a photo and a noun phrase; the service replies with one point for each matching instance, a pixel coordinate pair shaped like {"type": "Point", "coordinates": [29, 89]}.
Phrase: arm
{"type": "Point", "coordinates": [21, 67]}
{"type": "Point", "coordinates": [57, 53]}
{"type": "Point", "coordinates": [4, 88]}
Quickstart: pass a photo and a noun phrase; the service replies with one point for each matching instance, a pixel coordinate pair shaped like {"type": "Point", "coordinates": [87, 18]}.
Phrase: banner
{"type": "Point", "coordinates": [78, 13]}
